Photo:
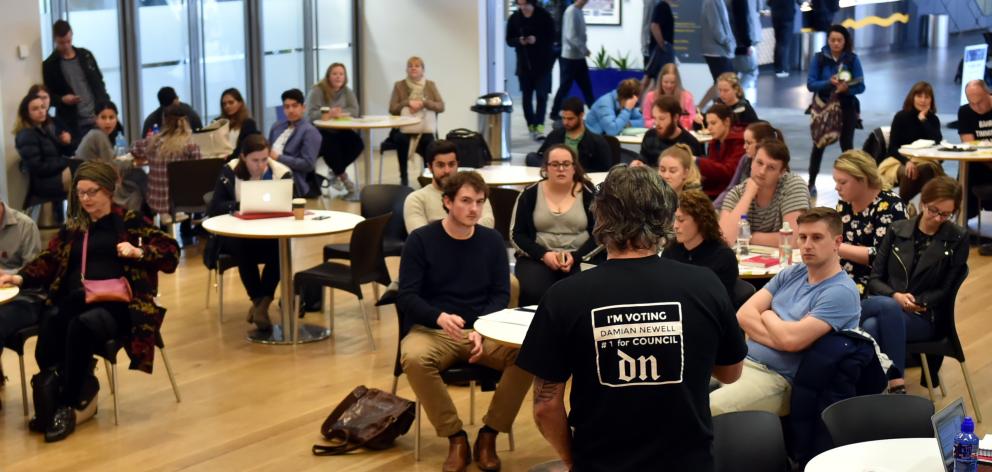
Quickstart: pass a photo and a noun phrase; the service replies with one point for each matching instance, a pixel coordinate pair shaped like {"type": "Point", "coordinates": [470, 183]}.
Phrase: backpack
{"type": "Point", "coordinates": [472, 148]}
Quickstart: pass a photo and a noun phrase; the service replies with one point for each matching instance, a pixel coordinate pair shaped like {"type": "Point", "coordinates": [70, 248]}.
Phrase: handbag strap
{"type": "Point", "coordinates": [86, 243]}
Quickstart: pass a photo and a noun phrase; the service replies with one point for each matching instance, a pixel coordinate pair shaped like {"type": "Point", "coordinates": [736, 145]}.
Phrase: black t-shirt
{"type": "Point", "coordinates": [639, 338]}
{"type": "Point", "coordinates": [970, 122]}
{"type": "Point", "coordinates": [653, 144]}
{"type": "Point", "coordinates": [712, 254]}
{"type": "Point", "coordinates": [662, 15]}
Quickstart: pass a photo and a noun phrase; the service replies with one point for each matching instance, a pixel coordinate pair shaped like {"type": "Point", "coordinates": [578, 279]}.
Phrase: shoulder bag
{"type": "Point", "coordinates": [212, 139]}
{"type": "Point", "coordinates": [427, 124]}
{"type": "Point", "coordinates": [825, 124]}
{"type": "Point", "coordinates": [106, 290]}
{"type": "Point", "coordinates": [367, 418]}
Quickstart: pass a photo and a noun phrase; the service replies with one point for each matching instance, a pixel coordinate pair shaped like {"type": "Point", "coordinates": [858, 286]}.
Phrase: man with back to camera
{"type": "Point", "coordinates": [74, 82]}
{"type": "Point", "coordinates": [593, 150]}
{"type": "Point", "coordinates": [167, 96]}
{"type": "Point", "coordinates": [797, 307]}
{"type": "Point", "coordinates": [453, 271]}
{"type": "Point", "coordinates": [295, 143]}
{"type": "Point", "coordinates": [425, 205]}
{"type": "Point", "coordinates": [975, 124]}
{"type": "Point", "coordinates": [638, 335]}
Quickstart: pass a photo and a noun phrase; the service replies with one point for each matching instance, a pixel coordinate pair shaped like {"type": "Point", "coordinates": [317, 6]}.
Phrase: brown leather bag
{"type": "Point", "coordinates": [367, 418]}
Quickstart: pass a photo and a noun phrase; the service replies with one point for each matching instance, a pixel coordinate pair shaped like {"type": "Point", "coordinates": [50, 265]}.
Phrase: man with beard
{"type": "Point", "coordinates": [424, 206]}
{"type": "Point", "coordinates": [667, 131]}
{"type": "Point", "coordinates": [594, 153]}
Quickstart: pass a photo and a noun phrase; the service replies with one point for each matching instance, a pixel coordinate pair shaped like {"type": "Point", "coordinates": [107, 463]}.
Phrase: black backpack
{"type": "Point", "coordinates": [472, 148]}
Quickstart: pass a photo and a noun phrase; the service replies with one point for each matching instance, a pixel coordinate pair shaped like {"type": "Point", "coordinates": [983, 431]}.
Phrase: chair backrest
{"type": "Point", "coordinates": [503, 200]}
{"type": "Point", "coordinates": [189, 180]}
{"type": "Point", "coordinates": [379, 199]}
{"type": "Point", "coordinates": [367, 262]}
{"type": "Point", "coordinates": [615, 149]}
{"type": "Point", "coordinates": [945, 324]}
{"type": "Point", "coordinates": [753, 438]}
{"type": "Point", "coordinates": [876, 146]}
{"type": "Point", "coordinates": [743, 290]}
{"type": "Point", "coordinates": [875, 417]}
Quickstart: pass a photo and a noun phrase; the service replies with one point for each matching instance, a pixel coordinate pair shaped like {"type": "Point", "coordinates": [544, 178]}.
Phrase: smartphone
{"type": "Point", "coordinates": [322, 217]}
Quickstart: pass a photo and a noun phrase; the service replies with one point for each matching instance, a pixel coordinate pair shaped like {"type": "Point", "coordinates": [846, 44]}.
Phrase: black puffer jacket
{"type": "Point", "coordinates": [42, 161]}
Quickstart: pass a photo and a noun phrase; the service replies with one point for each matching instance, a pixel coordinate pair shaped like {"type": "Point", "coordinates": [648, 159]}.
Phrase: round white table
{"type": "Point", "coordinates": [364, 126]}
{"type": "Point", "coordinates": [702, 137]}
{"type": "Point", "coordinates": [511, 174]}
{"type": "Point", "coordinates": [980, 154]}
{"type": "Point", "coordinates": [285, 229]}
{"type": "Point", "coordinates": [508, 327]}
{"type": "Point", "coordinates": [8, 293]}
{"type": "Point", "coordinates": [887, 455]}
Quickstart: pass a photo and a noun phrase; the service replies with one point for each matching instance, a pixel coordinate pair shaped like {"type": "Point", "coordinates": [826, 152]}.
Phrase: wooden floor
{"type": "Point", "coordinates": [252, 407]}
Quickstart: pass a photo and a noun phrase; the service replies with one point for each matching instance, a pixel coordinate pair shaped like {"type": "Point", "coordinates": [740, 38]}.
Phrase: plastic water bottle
{"type": "Point", "coordinates": [155, 129]}
{"type": "Point", "coordinates": [785, 245]}
{"type": "Point", "coordinates": [743, 236]}
{"type": "Point", "coordinates": [120, 145]}
{"type": "Point", "coordinates": [966, 447]}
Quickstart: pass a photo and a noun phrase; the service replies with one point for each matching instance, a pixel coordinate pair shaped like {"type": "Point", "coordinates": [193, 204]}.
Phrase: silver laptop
{"type": "Point", "coordinates": [947, 425]}
{"type": "Point", "coordinates": [266, 196]}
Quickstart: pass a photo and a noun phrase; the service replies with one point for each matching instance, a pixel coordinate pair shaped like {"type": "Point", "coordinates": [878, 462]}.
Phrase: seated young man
{"type": "Point", "coordinates": [424, 206]}
{"type": "Point", "coordinates": [452, 271]}
{"type": "Point", "coordinates": [593, 150]}
{"type": "Point", "coordinates": [20, 242]}
{"type": "Point", "coordinates": [798, 306]}
{"type": "Point", "coordinates": [295, 143]}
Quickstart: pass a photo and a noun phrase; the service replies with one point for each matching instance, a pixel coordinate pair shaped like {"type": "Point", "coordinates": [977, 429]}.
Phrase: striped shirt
{"type": "Point", "coordinates": [791, 195]}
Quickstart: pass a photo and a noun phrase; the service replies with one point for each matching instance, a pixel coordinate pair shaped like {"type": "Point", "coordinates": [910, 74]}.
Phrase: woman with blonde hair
{"type": "Point", "coordinates": [339, 148]}
{"type": "Point", "coordinates": [867, 208]}
{"type": "Point", "coordinates": [171, 145]}
{"type": "Point", "coordinates": [414, 93]}
{"type": "Point", "coordinates": [670, 84]}
{"type": "Point", "coordinates": [730, 93]}
{"type": "Point", "coordinates": [677, 167]}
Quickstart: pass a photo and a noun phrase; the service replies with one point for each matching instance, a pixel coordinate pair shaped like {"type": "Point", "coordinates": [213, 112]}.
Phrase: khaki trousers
{"type": "Point", "coordinates": [425, 352]}
{"type": "Point", "coordinates": [759, 388]}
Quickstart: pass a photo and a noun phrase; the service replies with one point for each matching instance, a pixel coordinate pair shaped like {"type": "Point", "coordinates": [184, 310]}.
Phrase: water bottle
{"type": "Point", "coordinates": [966, 447]}
{"type": "Point", "coordinates": [155, 129]}
{"type": "Point", "coordinates": [743, 236]}
{"type": "Point", "coordinates": [785, 245]}
{"type": "Point", "coordinates": [120, 145]}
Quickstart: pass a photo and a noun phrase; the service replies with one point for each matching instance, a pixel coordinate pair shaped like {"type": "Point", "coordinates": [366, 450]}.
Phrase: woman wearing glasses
{"type": "Point", "coordinates": [915, 267]}
{"type": "Point", "coordinates": [552, 224]}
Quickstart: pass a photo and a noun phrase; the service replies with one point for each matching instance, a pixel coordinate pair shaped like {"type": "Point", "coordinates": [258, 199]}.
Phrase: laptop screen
{"type": "Point", "coordinates": [947, 425]}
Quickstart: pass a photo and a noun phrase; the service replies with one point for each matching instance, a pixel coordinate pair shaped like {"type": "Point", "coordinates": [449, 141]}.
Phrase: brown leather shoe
{"type": "Point", "coordinates": [459, 454]}
{"type": "Point", "coordinates": [485, 452]}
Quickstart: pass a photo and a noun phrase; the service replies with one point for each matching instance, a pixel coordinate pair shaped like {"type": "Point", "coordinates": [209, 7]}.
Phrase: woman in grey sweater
{"type": "Point", "coordinates": [331, 99]}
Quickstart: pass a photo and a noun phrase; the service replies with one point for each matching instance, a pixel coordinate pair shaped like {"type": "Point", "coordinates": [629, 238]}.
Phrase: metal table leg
{"type": "Point", "coordinates": [287, 332]}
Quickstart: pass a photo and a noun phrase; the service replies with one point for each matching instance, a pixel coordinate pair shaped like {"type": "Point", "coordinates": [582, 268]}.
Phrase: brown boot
{"type": "Point", "coordinates": [485, 451]}
{"type": "Point", "coordinates": [459, 454]}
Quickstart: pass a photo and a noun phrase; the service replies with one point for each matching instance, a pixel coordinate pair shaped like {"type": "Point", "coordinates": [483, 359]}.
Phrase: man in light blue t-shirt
{"type": "Point", "coordinates": [783, 319]}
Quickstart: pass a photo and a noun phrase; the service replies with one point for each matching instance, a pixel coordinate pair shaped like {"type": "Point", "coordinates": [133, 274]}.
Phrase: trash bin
{"type": "Point", "coordinates": [494, 128]}
{"type": "Point", "coordinates": [935, 31]}
{"type": "Point", "coordinates": [813, 42]}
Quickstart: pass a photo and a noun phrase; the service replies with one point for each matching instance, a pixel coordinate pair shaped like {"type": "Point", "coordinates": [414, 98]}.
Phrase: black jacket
{"type": "Point", "coordinates": [51, 71]}
{"type": "Point", "coordinates": [594, 151]}
{"type": "Point", "coordinates": [907, 127]}
{"type": "Point", "coordinates": [248, 128]}
{"type": "Point", "coordinates": [224, 199]}
{"type": "Point", "coordinates": [653, 144]}
{"type": "Point", "coordinates": [536, 59]}
{"type": "Point", "coordinates": [524, 234]}
{"type": "Point", "coordinates": [932, 276]}
{"type": "Point", "coordinates": [42, 160]}
{"type": "Point", "coordinates": [155, 118]}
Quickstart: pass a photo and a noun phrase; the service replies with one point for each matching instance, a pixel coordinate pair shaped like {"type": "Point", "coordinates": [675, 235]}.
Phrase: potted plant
{"type": "Point", "coordinates": [607, 72]}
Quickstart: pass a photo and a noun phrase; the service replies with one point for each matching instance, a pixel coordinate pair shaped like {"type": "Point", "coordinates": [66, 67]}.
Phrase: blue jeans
{"type": "Point", "coordinates": [892, 328]}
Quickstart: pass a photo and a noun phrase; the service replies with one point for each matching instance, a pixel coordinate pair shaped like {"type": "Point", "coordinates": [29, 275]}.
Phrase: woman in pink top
{"type": "Point", "coordinates": [670, 83]}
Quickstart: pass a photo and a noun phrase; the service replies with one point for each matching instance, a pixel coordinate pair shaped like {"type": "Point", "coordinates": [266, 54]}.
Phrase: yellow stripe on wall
{"type": "Point", "coordinates": [871, 20]}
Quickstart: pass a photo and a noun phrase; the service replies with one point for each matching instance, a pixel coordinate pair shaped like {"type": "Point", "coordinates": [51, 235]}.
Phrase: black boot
{"type": "Point", "coordinates": [63, 424]}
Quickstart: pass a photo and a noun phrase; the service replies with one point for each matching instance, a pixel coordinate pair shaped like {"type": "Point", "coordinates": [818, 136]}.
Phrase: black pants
{"type": "Point", "coordinates": [18, 314]}
{"type": "Point", "coordinates": [719, 65]}
{"type": "Point", "coordinates": [340, 148]}
{"type": "Point", "coordinates": [577, 71]}
{"type": "Point", "coordinates": [536, 278]}
{"type": "Point", "coordinates": [979, 173]}
{"type": "Point", "coordinates": [68, 339]}
{"type": "Point", "coordinates": [531, 83]}
{"type": "Point", "coordinates": [250, 253]}
{"type": "Point", "coordinates": [402, 142]}
{"type": "Point", "coordinates": [849, 119]}
{"type": "Point", "coordinates": [784, 37]}
{"type": "Point", "coordinates": [909, 188]}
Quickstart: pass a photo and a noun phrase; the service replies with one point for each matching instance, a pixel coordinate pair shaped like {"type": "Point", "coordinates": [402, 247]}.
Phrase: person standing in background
{"type": "Point", "coordinates": [661, 50]}
{"type": "Point", "coordinates": [573, 57]}
{"type": "Point", "coordinates": [745, 21]}
{"type": "Point", "coordinates": [74, 81]}
{"type": "Point", "coordinates": [716, 43]}
{"type": "Point", "coordinates": [784, 24]}
{"type": "Point", "coordinates": [647, 40]}
{"type": "Point", "coordinates": [531, 31]}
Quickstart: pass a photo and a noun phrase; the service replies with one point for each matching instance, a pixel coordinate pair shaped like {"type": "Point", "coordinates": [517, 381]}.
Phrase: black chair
{"type": "Point", "coordinates": [875, 417]}
{"type": "Point", "coordinates": [616, 151]}
{"type": "Point", "coordinates": [458, 374]}
{"type": "Point", "coordinates": [743, 290]}
{"type": "Point", "coordinates": [188, 181]}
{"type": "Point", "coordinates": [424, 180]}
{"type": "Point", "coordinates": [376, 200]}
{"type": "Point", "coordinates": [109, 355]}
{"type": "Point", "coordinates": [367, 266]}
{"type": "Point", "coordinates": [503, 200]}
{"type": "Point", "coordinates": [16, 343]}
{"type": "Point", "coordinates": [945, 344]}
{"type": "Point", "coordinates": [753, 438]}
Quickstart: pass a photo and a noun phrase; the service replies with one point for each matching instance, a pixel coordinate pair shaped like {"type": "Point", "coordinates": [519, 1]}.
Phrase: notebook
{"type": "Point", "coordinates": [266, 196]}
{"type": "Point", "coordinates": [947, 425]}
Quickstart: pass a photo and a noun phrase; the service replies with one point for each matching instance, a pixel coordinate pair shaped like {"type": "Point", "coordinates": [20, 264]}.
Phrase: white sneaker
{"type": "Point", "coordinates": [782, 74]}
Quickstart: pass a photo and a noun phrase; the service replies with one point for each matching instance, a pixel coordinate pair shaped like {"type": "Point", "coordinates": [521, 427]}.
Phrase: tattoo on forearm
{"type": "Point", "coordinates": [545, 391]}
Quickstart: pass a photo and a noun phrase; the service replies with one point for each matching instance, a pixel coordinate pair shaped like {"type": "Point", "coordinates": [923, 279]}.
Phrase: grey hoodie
{"type": "Point", "coordinates": [714, 26]}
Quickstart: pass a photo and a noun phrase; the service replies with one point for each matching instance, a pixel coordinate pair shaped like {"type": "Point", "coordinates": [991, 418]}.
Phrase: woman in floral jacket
{"type": "Point", "coordinates": [118, 243]}
{"type": "Point", "coordinates": [866, 210]}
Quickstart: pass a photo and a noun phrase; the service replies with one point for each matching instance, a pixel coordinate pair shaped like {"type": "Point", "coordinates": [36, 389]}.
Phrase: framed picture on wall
{"type": "Point", "coordinates": [602, 12]}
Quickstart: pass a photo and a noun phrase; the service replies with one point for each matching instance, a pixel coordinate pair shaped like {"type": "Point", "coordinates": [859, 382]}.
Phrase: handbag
{"type": "Point", "coordinates": [106, 290]}
{"type": "Point", "coordinates": [212, 139]}
{"type": "Point", "coordinates": [427, 124]}
{"type": "Point", "coordinates": [367, 418]}
{"type": "Point", "coordinates": [825, 124]}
